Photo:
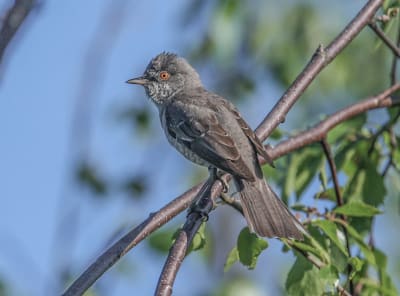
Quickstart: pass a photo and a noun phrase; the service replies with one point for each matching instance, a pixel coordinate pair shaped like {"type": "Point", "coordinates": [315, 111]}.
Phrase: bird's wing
{"type": "Point", "coordinates": [248, 132]}
{"type": "Point", "coordinates": [205, 136]}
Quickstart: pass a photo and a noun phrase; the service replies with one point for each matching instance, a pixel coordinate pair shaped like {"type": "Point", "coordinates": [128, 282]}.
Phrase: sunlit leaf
{"type": "Point", "coordinates": [304, 279]}
{"type": "Point", "coordinates": [330, 229]}
{"type": "Point", "coordinates": [233, 257]}
{"type": "Point", "coordinates": [249, 247]}
{"type": "Point", "coordinates": [302, 168]}
{"type": "Point", "coordinates": [199, 239]}
{"type": "Point", "coordinates": [357, 209]}
{"type": "Point", "coordinates": [356, 265]}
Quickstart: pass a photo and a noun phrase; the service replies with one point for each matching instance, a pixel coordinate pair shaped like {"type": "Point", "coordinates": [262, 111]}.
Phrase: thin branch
{"type": "Point", "coordinates": [130, 240]}
{"type": "Point", "coordinates": [339, 200]}
{"type": "Point", "coordinates": [12, 21]}
{"type": "Point", "coordinates": [332, 167]}
{"type": "Point", "coordinates": [318, 62]}
{"type": "Point", "coordinates": [393, 70]}
{"type": "Point", "coordinates": [319, 131]}
{"type": "Point", "coordinates": [385, 39]}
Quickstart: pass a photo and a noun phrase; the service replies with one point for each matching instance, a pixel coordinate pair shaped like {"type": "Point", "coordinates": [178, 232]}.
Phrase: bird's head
{"type": "Point", "coordinates": [165, 76]}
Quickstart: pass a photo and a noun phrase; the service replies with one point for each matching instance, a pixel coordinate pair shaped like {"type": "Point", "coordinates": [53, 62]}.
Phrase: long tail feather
{"type": "Point", "coordinates": [265, 213]}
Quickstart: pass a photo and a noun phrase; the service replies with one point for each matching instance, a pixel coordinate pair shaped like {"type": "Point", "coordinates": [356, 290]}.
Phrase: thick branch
{"type": "Point", "coordinates": [319, 61]}
{"type": "Point", "coordinates": [122, 246]}
{"type": "Point", "coordinates": [13, 20]}
{"type": "Point", "coordinates": [179, 249]}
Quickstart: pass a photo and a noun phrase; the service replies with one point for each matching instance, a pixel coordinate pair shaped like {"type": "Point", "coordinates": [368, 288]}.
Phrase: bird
{"type": "Point", "coordinates": [208, 130]}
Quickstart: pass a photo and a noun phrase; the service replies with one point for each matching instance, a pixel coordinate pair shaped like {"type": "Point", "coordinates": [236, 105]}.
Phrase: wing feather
{"type": "Point", "coordinates": [206, 137]}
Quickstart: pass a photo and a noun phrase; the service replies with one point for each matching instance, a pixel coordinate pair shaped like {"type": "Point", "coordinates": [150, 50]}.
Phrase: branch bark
{"type": "Point", "coordinates": [130, 240]}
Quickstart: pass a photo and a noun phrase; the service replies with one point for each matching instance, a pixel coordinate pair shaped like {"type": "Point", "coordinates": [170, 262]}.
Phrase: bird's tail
{"type": "Point", "coordinates": [265, 213]}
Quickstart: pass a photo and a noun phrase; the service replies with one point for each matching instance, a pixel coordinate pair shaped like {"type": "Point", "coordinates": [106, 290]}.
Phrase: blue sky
{"type": "Point", "coordinates": [71, 51]}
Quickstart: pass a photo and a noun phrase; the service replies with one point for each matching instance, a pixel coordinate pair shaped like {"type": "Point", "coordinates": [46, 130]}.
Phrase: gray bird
{"type": "Point", "coordinates": [208, 130]}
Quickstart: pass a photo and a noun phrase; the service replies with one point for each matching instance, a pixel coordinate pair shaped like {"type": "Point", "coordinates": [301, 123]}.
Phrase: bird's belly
{"type": "Point", "coordinates": [185, 151]}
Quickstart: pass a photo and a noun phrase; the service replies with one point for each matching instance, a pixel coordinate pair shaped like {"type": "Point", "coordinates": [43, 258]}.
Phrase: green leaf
{"type": "Point", "coordinates": [365, 249]}
{"type": "Point", "coordinates": [161, 240]}
{"type": "Point", "coordinates": [313, 248]}
{"type": "Point", "coordinates": [302, 168]}
{"type": "Point", "coordinates": [356, 264]}
{"type": "Point", "coordinates": [304, 279]}
{"type": "Point", "coordinates": [340, 261]}
{"type": "Point", "coordinates": [346, 129]}
{"type": "Point", "coordinates": [357, 209]}
{"type": "Point", "coordinates": [329, 276]}
{"type": "Point", "coordinates": [328, 194]}
{"type": "Point", "coordinates": [233, 257]}
{"type": "Point", "coordinates": [374, 189]}
{"type": "Point", "coordinates": [249, 247]}
{"type": "Point", "coordinates": [199, 239]}
{"type": "Point", "coordinates": [277, 134]}
{"type": "Point", "coordinates": [331, 231]}
{"type": "Point", "coordinates": [323, 177]}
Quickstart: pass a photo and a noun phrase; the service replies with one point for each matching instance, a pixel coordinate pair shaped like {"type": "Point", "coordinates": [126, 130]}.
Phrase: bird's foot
{"type": "Point", "coordinates": [202, 207]}
{"type": "Point", "coordinates": [216, 174]}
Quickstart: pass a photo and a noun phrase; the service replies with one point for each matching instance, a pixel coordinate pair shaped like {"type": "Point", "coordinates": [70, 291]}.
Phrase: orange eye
{"type": "Point", "coordinates": [164, 75]}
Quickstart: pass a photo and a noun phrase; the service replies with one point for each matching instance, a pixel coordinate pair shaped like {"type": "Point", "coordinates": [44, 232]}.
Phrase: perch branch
{"type": "Point", "coordinates": [130, 240]}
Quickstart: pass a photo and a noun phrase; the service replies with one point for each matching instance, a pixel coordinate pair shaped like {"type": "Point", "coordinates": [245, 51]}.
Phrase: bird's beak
{"type": "Point", "coordinates": [138, 80]}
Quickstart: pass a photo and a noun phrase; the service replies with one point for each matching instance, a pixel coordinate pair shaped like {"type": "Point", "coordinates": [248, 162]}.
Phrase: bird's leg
{"type": "Point", "coordinates": [203, 203]}
{"type": "Point", "coordinates": [217, 175]}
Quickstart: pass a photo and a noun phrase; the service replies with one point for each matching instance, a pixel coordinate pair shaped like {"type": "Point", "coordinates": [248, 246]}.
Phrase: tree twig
{"type": "Point", "coordinates": [393, 70]}
{"type": "Point", "coordinates": [339, 200]}
{"type": "Point", "coordinates": [385, 39]}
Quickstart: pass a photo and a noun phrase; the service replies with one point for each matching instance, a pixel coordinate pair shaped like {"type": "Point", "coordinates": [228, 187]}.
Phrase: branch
{"type": "Point", "coordinates": [130, 240]}
{"type": "Point", "coordinates": [179, 249]}
{"type": "Point", "coordinates": [393, 70]}
{"type": "Point", "coordinates": [318, 62]}
{"type": "Point", "coordinates": [13, 20]}
{"type": "Point", "coordinates": [339, 201]}
{"type": "Point", "coordinates": [319, 131]}
{"type": "Point", "coordinates": [385, 39]}
{"type": "Point", "coordinates": [332, 167]}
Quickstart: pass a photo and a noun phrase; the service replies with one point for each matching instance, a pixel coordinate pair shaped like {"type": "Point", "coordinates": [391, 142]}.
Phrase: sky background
{"type": "Point", "coordinates": [73, 56]}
